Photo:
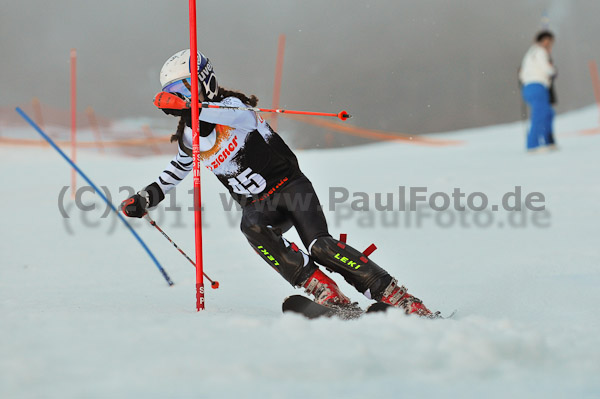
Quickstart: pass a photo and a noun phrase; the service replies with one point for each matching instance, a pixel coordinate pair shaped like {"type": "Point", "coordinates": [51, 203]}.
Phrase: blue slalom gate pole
{"type": "Point", "coordinates": [100, 193]}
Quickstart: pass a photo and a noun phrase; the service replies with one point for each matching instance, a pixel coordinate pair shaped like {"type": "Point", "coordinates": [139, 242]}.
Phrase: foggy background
{"type": "Point", "coordinates": [402, 66]}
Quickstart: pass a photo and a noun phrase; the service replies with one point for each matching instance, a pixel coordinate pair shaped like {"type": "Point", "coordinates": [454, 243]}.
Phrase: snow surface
{"type": "Point", "coordinates": [85, 313]}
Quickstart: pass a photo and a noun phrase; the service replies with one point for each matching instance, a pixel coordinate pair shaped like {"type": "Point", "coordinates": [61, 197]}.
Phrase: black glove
{"type": "Point", "coordinates": [135, 206]}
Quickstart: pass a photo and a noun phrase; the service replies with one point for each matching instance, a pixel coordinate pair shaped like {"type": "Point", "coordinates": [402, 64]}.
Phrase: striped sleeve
{"type": "Point", "coordinates": [175, 171]}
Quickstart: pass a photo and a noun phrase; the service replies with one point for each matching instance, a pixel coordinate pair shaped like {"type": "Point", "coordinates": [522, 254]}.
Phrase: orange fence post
{"type": "Point", "coordinates": [95, 128]}
{"type": "Point", "coordinates": [37, 112]}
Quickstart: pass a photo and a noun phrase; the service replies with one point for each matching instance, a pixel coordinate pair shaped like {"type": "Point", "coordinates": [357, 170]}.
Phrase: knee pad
{"type": "Point", "coordinates": [252, 230]}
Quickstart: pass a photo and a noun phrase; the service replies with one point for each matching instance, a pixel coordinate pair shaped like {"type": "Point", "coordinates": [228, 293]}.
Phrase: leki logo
{"type": "Point", "coordinates": [268, 255]}
{"type": "Point", "coordinates": [347, 261]}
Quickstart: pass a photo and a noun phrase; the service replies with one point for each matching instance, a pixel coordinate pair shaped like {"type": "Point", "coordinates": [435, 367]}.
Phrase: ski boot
{"type": "Point", "coordinates": [397, 296]}
{"type": "Point", "coordinates": [327, 293]}
{"type": "Point", "coordinates": [325, 290]}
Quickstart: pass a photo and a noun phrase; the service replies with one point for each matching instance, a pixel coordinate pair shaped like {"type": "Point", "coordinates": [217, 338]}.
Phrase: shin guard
{"type": "Point", "coordinates": [286, 258]}
{"type": "Point", "coordinates": [356, 268]}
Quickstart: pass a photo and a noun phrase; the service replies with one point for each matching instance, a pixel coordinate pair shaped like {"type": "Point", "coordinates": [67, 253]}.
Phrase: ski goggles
{"type": "Point", "coordinates": [182, 86]}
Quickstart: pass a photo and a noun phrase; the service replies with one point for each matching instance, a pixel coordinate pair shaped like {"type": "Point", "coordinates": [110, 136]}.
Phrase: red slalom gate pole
{"type": "Point", "coordinates": [73, 119]}
{"type": "Point", "coordinates": [196, 157]}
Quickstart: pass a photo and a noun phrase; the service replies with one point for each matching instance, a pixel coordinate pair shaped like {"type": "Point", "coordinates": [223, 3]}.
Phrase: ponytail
{"type": "Point", "coordinates": [179, 132]}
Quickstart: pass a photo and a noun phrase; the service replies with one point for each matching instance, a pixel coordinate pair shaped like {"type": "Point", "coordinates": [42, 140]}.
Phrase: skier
{"type": "Point", "coordinates": [262, 174]}
{"type": "Point", "coordinates": [537, 74]}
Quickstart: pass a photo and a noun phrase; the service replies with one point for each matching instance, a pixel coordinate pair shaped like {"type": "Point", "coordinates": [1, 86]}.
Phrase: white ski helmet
{"type": "Point", "coordinates": [175, 76]}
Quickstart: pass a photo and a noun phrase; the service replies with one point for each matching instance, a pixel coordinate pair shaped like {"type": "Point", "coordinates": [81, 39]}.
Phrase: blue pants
{"type": "Point", "coordinates": [537, 97]}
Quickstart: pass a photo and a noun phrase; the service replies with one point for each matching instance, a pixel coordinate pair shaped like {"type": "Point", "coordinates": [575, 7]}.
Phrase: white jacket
{"type": "Point", "coordinates": [536, 67]}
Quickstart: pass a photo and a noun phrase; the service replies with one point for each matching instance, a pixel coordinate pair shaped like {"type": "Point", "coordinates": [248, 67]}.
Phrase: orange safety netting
{"type": "Point", "coordinates": [106, 135]}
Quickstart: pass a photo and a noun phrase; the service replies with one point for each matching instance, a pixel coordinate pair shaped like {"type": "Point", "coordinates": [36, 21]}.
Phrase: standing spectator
{"type": "Point", "coordinates": [537, 75]}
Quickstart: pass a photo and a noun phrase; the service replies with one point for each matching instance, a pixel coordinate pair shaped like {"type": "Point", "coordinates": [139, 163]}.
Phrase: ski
{"type": "Point", "coordinates": [384, 307]}
{"type": "Point", "coordinates": [378, 307]}
{"type": "Point", "coordinates": [312, 310]}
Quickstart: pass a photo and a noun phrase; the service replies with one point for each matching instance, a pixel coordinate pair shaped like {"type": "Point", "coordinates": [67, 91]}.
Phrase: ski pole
{"type": "Point", "coordinates": [97, 190]}
{"type": "Point", "coordinates": [166, 100]}
{"type": "Point", "coordinates": [213, 284]}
